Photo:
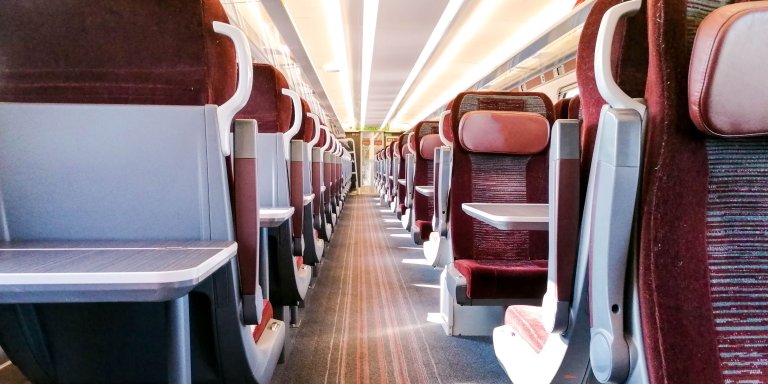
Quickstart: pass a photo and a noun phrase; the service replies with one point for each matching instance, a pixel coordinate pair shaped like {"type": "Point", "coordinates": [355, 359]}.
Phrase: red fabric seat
{"type": "Point", "coordinates": [423, 175]}
{"type": "Point", "coordinates": [504, 279]}
{"type": "Point", "coordinates": [704, 213]}
{"type": "Point", "coordinates": [491, 259]}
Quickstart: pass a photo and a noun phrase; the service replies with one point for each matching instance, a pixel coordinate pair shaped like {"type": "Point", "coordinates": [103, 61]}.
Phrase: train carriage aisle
{"type": "Point", "coordinates": [379, 318]}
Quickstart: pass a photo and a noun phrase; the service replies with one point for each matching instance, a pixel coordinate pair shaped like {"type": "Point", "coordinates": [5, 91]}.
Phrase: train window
{"type": "Point", "coordinates": [568, 91]}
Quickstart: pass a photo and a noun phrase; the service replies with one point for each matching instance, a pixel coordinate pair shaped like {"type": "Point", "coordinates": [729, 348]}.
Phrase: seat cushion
{"type": "Point", "coordinates": [504, 279]}
{"type": "Point", "coordinates": [424, 228]}
{"type": "Point", "coordinates": [525, 321]}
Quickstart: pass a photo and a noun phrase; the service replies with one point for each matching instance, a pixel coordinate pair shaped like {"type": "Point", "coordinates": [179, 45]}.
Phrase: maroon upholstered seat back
{"type": "Point", "coordinates": [561, 108]}
{"type": "Point", "coordinates": [489, 178]}
{"type": "Point", "coordinates": [704, 212]}
{"type": "Point", "coordinates": [267, 105]}
{"type": "Point", "coordinates": [307, 130]}
{"type": "Point", "coordinates": [448, 122]}
{"type": "Point", "coordinates": [574, 108]}
{"type": "Point", "coordinates": [402, 144]}
{"type": "Point", "coordinates": [423, 207]}
{"type": "Point", "coordinates": [161, 52]}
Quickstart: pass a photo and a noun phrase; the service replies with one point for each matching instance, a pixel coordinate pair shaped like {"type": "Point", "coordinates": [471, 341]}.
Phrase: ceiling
{"type": "Point", "coordinates": [392, 63]}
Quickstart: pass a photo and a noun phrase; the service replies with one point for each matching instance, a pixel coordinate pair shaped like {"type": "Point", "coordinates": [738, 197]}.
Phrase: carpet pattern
{"type": "Point", "coordinates": [367, 319]}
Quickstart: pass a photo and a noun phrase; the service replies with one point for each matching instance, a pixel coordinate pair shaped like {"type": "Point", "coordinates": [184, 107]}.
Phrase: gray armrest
{"type": "Point", "coordinates": [511, 217]}
{"type": "Point", "coordinates": [426, 190]}
{"type": "Point", "coordinates": [274, 217]}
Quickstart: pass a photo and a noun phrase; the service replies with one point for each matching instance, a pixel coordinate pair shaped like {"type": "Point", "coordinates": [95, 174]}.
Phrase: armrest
{"type": "Point", "coordinates": [426, 190]}
{"type": "Point", "coordinates": [309, 198]}
{"type": "Point", "coordinates": [510, 217]}
{"type": "Point", "coordinates": [443, 188]}
{"type": "Point", "coordinates": [274, 217]}
{"type": "Point", "coordinates": [564, 195]}
{"type": "Point", "coordinates": [401, 181]}
{"type": "Point", "coordinates": [246, 209]}
{"type": "Point", "coordinates": [611, 199]}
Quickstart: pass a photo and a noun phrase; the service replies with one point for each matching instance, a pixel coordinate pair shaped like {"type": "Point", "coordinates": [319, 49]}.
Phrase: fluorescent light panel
{"type": "Point", "coordinates": [442, 25]}
{"type": "Point", "coordinates": [370, 16]}
{"type": "Point", "coordinates": [544, 20]}
{"type": "Point", "coordinates": [339, 41]}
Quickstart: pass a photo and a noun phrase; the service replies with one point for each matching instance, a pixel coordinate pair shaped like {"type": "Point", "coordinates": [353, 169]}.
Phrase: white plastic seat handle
{"type": "Point", "coordinates": [226, 112]}
{"type": "Point", "coordinates": [441, 129]}
{"type": "Point", "coordinates": [298, 111]}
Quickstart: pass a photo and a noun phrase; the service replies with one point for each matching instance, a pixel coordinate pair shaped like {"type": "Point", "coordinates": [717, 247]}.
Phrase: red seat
{"type": "Point", "coordinates": [423, 206]}
{"type": "Point", "coordinates": [482, 175]}
{"type": "Point", "coordinates": [704, 213]}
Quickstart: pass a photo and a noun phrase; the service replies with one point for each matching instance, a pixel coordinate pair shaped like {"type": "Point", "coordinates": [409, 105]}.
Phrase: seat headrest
{"type": "Point", "coordinates": [574, 108]}
{"type": "Point", "coordinates": [428, 145]}
{"type": "Point", "coordinates": [502, 132]}
{"type": "Point", "coordinates": [323, 138]}
{"type": "Point", "coordinates": [161, 52]}
{"type": "Point", "coordinates": [727, 84]}
{"type": "Point", "coordinates": [425, 128]}
{"type": "Point", "coordinates": [267, 105]}
{"type": "Point", "coordinates": [561, 108]}
{"type": "Point", "coordinates": [448, 123]}
{"type": "Point", "coordinates": [307, 130]}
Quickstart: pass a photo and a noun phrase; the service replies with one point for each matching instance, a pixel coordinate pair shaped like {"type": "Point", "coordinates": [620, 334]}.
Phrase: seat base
{"type": "Point", "coordinates": [522, 282]}
{"type": "Point", "coordinates": [268, 349]}
{"type": "Point", "coordinates": [460, 320]}
{"type": "Point", "coordinates": [437, 250]}
{"type": "Point", "coordinates": [405, 220]}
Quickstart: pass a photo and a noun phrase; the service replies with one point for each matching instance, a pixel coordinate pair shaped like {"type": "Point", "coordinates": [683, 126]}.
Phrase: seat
{"type": "Point", "coordinates": [402, 175]}
{"type": "Point", "coordinates": [409, 157]}
{"type": "Point", "coordinates": [111, 132]}
{"type": "Point", "coordinates": [437, 250]}
{"type": "Point", "coordinates": [488, 261]}
{"type": "Point", "coordinates": [561, 108]}
{"type": "Point", "coordinates": [555, 337]}
{"type": "Point", "coordinates": [423, 205]}
{"type": "Point", "coordinates": [279, 115]}
{"type": "Point", "coordinates": [696, 307]}
{"type": "Point", "coordinates": [310, 134]}
{"type": "Point", "coordinates": [322, 213]}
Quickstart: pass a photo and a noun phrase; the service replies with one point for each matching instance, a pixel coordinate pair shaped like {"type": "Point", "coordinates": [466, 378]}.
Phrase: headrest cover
{"type": "Point", "coordinates": [161, 52]}
{"type": "Point", "coordinates": [727, 84]}
{"type": "Point", "coordinates": [501, 132]}
{"type": "Point", "coordinates": [267, 105]}
{"type": "Point", "coordinates": [428, 145]}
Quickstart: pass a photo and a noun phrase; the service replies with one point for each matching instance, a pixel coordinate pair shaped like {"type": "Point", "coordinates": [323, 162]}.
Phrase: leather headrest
{"type": "Point", "coordinates": [502, 132]}
{"type": "Point", "coordinates": [727, 83]}
{"type": "Point", "coordinates": [428, 145]}
{"type": "Point", "coordinates": [448, 122]}
{"type": "Point", "coordinates": [267, 104]}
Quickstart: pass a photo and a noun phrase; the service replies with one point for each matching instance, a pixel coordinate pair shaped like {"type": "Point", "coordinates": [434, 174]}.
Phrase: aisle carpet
{"type": "Point", "coordinates": [372, 314]}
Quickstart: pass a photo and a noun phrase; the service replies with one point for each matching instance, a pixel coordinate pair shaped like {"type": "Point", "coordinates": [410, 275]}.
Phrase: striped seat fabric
{"type": "Point", "coordinates": [703, 261]}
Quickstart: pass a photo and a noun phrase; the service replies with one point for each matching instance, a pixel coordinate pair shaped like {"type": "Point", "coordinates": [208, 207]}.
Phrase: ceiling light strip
{"type": "Point", "coordinates": [370, 16]}
{"type": "Point", "coordinates": [545, 19]}
{"type": "Point", "coordinates": [339, 41]}
{"type": "Point", "coordinates": [442, 25]}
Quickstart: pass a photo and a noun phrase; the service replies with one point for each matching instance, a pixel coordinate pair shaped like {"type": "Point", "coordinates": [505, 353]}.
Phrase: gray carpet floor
{"type": "Point", "coordinates": [370, 317]}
